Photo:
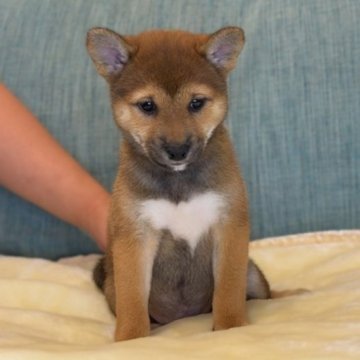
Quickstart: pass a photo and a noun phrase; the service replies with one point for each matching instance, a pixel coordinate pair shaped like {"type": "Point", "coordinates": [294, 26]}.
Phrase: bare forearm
{"type": "Point", "coordinates": [36, 167]}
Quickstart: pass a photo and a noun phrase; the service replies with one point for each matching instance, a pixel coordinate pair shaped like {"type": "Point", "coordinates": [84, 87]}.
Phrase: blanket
{"type": "Point", "coordinates": [52, 310]}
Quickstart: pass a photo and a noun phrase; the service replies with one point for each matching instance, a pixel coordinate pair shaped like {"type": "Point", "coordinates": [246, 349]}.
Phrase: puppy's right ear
{"type": "Point", "coordinates": [108, 50]}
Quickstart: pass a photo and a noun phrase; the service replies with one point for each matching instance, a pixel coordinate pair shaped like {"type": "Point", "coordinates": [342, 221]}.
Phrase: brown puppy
{"type": "Point", "coordinates": [179, 226]}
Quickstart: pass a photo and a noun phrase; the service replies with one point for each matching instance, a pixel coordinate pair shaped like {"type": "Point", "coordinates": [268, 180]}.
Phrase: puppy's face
{"type": "Point", "coordinates": [171, 130]}
{"type": "Point", "coordinates": [168, 88]}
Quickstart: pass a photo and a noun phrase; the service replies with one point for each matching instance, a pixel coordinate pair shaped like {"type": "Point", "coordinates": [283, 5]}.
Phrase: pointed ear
{"type": "Point", "coordinates": [223, 47]}
{"type": "Point", "coordinates": [108, 50]}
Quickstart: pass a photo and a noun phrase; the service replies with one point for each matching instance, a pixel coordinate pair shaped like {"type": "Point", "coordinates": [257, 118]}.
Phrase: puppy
{"type": "Point", "coordinates": [179, 225]}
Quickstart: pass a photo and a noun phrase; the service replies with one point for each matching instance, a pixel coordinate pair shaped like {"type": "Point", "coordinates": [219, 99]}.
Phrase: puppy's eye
{"type": "Point", "coordinates": [196, 104]}
{"type": "Point", "coordinates": [148, 107]}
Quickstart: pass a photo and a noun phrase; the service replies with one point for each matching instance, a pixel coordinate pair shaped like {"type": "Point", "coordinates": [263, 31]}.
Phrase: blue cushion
{"type": "Point", "coordinates": [294, 113]}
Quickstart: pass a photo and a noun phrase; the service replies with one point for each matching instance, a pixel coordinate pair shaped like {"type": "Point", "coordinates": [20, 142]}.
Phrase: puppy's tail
{"type": "Point", "coordinates": [99, 274]}
{"type": "Point", "coordinates": [285, 293]}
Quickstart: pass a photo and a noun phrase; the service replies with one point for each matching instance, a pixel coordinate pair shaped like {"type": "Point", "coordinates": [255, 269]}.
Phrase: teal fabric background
{"type": "Point", "coordinates": [294, 116]}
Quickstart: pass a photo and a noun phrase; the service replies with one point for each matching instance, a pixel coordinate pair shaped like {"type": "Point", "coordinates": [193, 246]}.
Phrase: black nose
{"type": "Point", "coordinates": [177, 152]}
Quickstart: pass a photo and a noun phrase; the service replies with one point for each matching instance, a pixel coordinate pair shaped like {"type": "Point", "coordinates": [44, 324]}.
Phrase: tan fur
{"type": "Point", "coordinates": [230, 272]}
{"type": "Point", "coordinates": [171, 68]}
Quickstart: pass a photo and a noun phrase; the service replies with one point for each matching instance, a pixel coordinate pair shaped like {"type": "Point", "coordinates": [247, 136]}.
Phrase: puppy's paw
{"type": "Point", "coordinates": [131, 332]}
{"type": "Point", "coordinates": [229, 322]}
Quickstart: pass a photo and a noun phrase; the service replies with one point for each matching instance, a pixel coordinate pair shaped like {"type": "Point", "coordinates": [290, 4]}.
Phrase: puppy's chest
{"type": "Point", "coordinates": [186, 220]}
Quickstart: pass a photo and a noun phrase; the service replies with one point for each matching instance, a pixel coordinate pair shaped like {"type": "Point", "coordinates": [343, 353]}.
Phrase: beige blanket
{"type": "Point", "coordinates": [53, 310]}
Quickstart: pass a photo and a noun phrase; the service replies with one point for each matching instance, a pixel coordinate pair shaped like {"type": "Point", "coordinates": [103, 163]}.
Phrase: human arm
{"type": "Point", "coordinates": [35, 166]}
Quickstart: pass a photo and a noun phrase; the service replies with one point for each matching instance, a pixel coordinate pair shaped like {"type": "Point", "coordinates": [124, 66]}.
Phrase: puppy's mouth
{"type": "Point", "coordinates": [179, 167]}
{"type": "Point", "coordinates": [176, 166]}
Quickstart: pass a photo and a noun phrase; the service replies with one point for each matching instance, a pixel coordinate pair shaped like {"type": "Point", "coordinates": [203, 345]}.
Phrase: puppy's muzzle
{"type": "Point", "coordinates": [176, 151]}
{"type": "Point", "coordinates": [174, 155]}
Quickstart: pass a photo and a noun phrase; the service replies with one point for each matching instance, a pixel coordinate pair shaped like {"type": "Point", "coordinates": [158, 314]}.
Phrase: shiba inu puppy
{"type": "Point", "coordinates": [178, 227]}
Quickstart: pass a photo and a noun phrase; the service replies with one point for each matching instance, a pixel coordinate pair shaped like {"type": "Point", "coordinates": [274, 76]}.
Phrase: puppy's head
{"type": "Point", "coordinates": [168, 88]}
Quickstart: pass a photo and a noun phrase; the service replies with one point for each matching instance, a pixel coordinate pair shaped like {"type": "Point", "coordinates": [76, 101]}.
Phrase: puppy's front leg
{"type": "Point", "coordinates": [230, 270]}
{"type": "Point", "coordinates": [132, 261]}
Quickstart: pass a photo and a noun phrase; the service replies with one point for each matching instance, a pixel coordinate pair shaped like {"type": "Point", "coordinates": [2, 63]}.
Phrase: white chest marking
{"type": "Point", "coordinates": [186, 220]}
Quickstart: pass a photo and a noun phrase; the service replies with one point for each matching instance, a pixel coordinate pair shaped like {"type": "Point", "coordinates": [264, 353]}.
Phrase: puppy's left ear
{"type": "Point", "coordinates": [223, 47]}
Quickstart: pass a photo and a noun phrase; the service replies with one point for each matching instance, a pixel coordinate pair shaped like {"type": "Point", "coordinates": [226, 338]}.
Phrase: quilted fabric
{"type": "Point", "coordinates": [52, 310]}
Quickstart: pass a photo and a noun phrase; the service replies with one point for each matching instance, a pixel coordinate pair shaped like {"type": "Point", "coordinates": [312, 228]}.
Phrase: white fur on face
{"type": "Point", "coordinates": [181, 167]}
{"type": "Point", "coordinates": [186, 220]}
{"type": "Point", "coordinates": [218, 110]}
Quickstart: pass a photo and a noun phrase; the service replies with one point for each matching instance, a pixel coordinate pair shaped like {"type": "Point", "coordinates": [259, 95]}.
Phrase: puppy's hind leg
{"type": "Point", "coordinates": [99, 274]}
{"type": "Point", "coordinates": [104, 280]}
{"type": "Point", "coordinates": [257, 285]}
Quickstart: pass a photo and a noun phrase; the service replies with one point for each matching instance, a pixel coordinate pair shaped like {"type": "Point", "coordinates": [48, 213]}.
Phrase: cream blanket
{"type": "Point", "coordinates": [52, 310]}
